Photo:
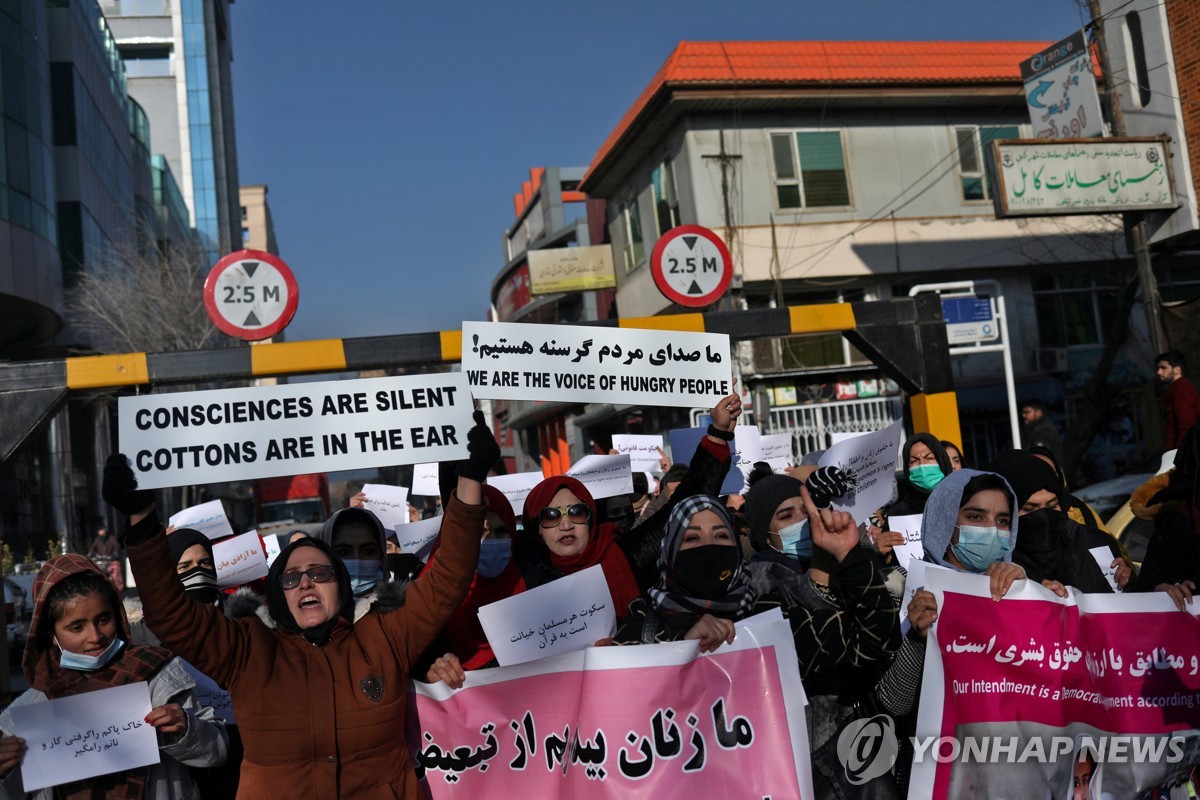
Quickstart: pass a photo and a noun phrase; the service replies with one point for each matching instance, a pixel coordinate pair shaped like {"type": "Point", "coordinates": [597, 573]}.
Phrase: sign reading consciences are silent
{"type": "Point", "coordinates": [261, 432]}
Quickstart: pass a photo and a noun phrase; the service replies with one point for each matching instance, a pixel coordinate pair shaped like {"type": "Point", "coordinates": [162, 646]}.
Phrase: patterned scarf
{"type": "Point", "coordinates": [668, 599]}
{"type": "Point", "coordinates": [135, 663]}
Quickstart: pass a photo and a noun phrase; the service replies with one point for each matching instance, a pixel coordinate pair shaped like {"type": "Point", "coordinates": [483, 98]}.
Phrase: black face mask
{"type": "Point", "coordinates": [200, 585]}
{"type": "Point", "coordinates": [706, 572]}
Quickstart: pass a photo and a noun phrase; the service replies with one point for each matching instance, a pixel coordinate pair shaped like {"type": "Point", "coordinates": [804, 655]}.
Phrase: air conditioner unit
{"type": "Point", "coordinates": [1052, 359]}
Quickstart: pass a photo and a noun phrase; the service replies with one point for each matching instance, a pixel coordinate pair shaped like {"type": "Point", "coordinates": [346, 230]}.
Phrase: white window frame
{"type": "Point", "coordinates": [980, 158]}
{"type": "Point", "coordinates": [667, 166]}
{"type": "Point", "coordinates": [628, 205]}
{"type": "Point", "coordinates": [798, 181]}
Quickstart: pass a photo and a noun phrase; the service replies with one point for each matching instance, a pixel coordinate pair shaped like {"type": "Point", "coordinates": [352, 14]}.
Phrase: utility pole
{"type": "Point", "coordinates": [727, 160]}
{"type": "Point", "coordinates": [1137, 235]}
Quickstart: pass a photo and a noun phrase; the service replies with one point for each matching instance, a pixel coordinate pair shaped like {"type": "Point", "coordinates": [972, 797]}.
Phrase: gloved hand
{"type": "Point", "coordinates": [482, 451]}
{"type": "Point", "coordinates": [119, 488]}
{"type": "Point", "coordinates": [828, 483]}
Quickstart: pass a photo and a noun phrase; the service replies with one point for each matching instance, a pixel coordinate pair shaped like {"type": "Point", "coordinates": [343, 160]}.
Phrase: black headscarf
{"type": "Point", "coordinates": [1027, 475]}
{"type": "Point", "coordinates": [935, 447]}
{"type": "Point", "coordinates": [277, 602]}
{"type": "Point", "coordinates": [179, 541]}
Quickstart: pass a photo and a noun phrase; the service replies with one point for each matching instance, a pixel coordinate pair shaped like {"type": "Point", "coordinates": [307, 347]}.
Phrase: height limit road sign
{"type": "Point", "coordinates": [691, 266]}
{"type": "Point", "coordinates": [251, 295]}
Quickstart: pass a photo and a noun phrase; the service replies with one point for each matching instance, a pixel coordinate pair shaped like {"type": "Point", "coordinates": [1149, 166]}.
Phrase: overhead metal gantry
{"type": "Point", "coordinates": [905, 338]}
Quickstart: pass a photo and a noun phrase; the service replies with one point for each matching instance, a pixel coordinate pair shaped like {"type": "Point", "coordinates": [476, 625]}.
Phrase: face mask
{"type": "Point", "coordinates": [200, 584]}
{"type": "Point", "coordinates": [363, 575]}
{"type": "Point", "coordinates": [494, 555]}
{"type": "Point", "coordinates": [925, 476]}
{"type": "Point", "coordinates": [796, 540]}
{"type": "Point", "coordinates": [979, 548]}
{"type": "Point", "coordinates": [85, 663]}
{"type": "Point", "coordinates": [707, 571]}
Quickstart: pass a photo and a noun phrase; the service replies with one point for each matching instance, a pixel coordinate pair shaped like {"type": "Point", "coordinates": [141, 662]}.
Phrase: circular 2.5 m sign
{"type": "Point", "coordinates": [251, 295]}
{"type": "Point", "coordinates": [691, 266]}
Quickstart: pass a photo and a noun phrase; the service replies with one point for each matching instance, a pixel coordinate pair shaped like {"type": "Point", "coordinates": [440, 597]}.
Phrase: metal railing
{"type": "Point", "coordinates": [136, 8]}
{"type": "Point", "coordinates": [149, 68]}
{"type": "Point", "coordinates": [811, 425]}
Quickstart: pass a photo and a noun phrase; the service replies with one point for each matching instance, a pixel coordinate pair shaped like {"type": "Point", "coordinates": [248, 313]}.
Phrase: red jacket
{"type": "Point", "coordinates": [1182, 405]}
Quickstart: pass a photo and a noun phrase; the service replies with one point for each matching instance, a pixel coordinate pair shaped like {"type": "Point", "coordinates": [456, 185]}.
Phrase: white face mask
{"type": "Point", "coordinates": [796, 540]}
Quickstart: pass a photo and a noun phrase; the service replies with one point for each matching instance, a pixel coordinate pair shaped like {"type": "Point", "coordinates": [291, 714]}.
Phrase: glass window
{"type": "Point", "coordinates": [810, 170]}
{"type": "Point", "coordinates": [1074, 309]}
{"type": "Point", "coordinates": [635, 247]}
{"type": "Point", "coordinates": [973, 145]}
{"type": "Point", "coordinates": [666, 201]}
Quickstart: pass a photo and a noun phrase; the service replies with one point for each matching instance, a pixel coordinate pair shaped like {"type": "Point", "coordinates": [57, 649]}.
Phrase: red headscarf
{"type": "Point", "coordinates": [601, 548]}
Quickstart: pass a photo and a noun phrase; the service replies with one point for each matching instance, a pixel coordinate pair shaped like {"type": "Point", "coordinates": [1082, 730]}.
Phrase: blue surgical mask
{"type": "Point", "coordinates": [978, 548]}
{"type": "Point", "coordinates": [494, 555]}
{"type": "Point", "coordinates": [925, 476]}
{"type": "Point", "coordinates": [364, 574]}
{"type": "Point", "coordinates": [796, 540]}
{"type": "Point", "coordinates": [85, 663]}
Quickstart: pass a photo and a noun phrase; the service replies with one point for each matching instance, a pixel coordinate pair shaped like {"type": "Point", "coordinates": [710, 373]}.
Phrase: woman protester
{"type": "Point", "coordinates": [320, 700]}
{"type": "Point", "coordinates": [1172, 501]}
{"type": "Point", "coordinates": [925, 464]}
{"type": "Point", "coordinates": [703, 588]}
{"type": "Point", "coordinates": [562, 535]}
{"type": "Point", "coordinates": [78, 643]}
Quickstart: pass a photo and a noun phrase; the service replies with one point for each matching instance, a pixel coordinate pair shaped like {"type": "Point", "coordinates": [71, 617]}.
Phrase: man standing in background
{"type": "Point", "coordinates": [1181, 403]}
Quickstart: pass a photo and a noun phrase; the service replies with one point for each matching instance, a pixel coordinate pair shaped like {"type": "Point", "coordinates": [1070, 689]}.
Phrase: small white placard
{"type": "Point", "coordinates": [516, 487]}
{"type": "Point", "coordinates": [644, 451]}
{"type": "Point", "coordinates": [871, 459]}
{"type": "Point", "coordinates": [567, 614]}
{"type": "Point", "coordinates": [604, 476]}
{"type": "Point", "coordinates": [1105, 558]}
{"type": "Point", "coordinates": [418, 537]}
{"type": "Point", "coordinates": [389, 503]}
{"type": "Point", "coordinates": [208, 693]}
{"type": "Point", "coordinates": [239, 560]}
{"type": "Point", "coordinates": [776, 450]}
{"type": "Point", "coordinates": [912, 549]}
{"type": "Point", "coordinates": [208, 518]}
{"type": "Point", "coordinates": [84, 735]}
{"type": "Point", "coordinates": [271, 543]}
{"type": "Point", "coordinates": [425, 480]}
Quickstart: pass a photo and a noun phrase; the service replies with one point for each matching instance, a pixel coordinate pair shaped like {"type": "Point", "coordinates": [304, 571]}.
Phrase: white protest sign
{"type": "Point", "coordinates": [1105, 558]}
{"type": "Point", "coordinates": [871, 459]}
{"type": "Point", "coordinates": [604, 476]}
{"type": "Point", "coordinates": [271, 544]}
{"type": "Point", "coordinates": [208, 693]}
{"type": "Point", "coordinates": [85, 735]}
{"type": "Point", "coordinates": [747, 449]}
{"type": "Point", "coordinates": [644, 451]}
{"type": "Point", "coordinates": [516, 487]}
{"type": "Point", "coordinates": [425, 480]}
{"type": "Point", "coordinates": [389, 503]}
{"type": "Point", "coordinates": [567, 614]}
{"type": "Point", "coordinates": [239, 560]}
{"type": "Point", "coordinates": [188, 438]}
{"type": "Point", "coordinates": [913, 583]}
{"type": "Point", "coordinates": [208, 518]}
{"type": "Point", "coordinates": [837, 437]}
{"type": "Point", "coordinates": [912, 549]}
{"type": "Point", "coordinates": [776, 450]}
{"type": "Point", "coordinates": [590, 364]}
{"type": "Point", "coordinates": [418, 537]}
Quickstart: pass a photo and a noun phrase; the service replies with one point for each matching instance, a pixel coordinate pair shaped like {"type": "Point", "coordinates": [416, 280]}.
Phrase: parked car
{"type": "Point", "coordinates": [1131, 531]}
{"type": "Point", "coordinates": [1108, 496]}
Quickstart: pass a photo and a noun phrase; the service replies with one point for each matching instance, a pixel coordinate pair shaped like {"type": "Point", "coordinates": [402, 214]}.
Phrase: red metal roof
{"type": "Point", "coordinates": [762, 64]}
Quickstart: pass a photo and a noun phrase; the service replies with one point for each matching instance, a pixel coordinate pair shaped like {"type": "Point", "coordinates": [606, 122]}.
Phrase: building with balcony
{"type": "Point", "coordinates": [855, 171]}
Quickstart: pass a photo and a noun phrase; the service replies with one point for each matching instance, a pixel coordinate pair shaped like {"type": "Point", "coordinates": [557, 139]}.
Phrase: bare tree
{"type": "Point", "coordinates": [144, 298]}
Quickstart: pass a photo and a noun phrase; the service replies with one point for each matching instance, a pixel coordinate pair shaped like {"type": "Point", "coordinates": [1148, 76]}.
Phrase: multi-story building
{"type": "Point", "coordinates": [177, 56]}
{"type": "Point", "coordinates": [856, 171]}
{"type": "Point", "coordinates": [258, 229]}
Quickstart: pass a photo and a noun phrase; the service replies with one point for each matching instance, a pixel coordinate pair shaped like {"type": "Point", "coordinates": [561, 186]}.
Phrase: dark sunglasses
{"type": "Point", "coordinates": [322, 574]}
{"type": "Point", "coordinates": [579, 514]}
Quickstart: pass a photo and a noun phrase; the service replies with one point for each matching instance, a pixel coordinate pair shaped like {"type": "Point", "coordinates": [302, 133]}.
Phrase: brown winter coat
{"type": "Point", "coordinates": [316, 722]}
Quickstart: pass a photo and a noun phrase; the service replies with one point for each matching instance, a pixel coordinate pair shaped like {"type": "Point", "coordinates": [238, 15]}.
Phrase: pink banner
{"type": "Point", "coordinates": [641, 721]}
{"type": "Point", "coordinates": [1013, 691]}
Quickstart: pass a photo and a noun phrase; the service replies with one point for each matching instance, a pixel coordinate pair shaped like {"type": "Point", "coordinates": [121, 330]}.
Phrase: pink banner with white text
{"type": "Point", "coordinates": [655, 721]}
{"type": "Point", "coordinates": [1093, 696]}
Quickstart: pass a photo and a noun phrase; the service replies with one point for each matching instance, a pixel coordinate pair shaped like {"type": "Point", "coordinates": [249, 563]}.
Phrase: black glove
{"type": "Point", "coordinates": [828, 483]}
{"type": "Point", "coordinates": [120, 490]}
{"type": "Point", "coordinates": [482, 451]}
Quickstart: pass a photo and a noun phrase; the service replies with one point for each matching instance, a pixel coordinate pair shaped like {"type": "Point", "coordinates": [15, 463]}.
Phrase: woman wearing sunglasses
{"type": "Point", "coordinates": [320, 701]}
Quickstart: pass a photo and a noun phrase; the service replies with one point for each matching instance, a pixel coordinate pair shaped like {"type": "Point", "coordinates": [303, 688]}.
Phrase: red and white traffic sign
{"type": "Point", "coordinates": [691, 266]}
{"type": "Point", "coordinates": [251, 295]}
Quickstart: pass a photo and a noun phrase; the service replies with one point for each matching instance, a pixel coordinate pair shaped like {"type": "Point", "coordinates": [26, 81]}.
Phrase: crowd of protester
{"type": "Point", "coordinates": [681, 561]}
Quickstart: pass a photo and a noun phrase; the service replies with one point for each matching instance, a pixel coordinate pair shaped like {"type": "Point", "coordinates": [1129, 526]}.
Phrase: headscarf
{"type": "Point", "coordinates": [941, 515]}
{"type": "Point", "coordinates": [601, 548]}
{"type": "Point", "coordinates": [277, 600]}
{"type": "Point", "coordinates": [764, 497]}
{"type": "Point", "coordinates": [669, 600]}
{"type": "Point", "coordinates": [134, 664]}
{"type": "Point", "coordinates": [198, 582]}
{"type": "Point", "coordinates": [355, 516]}
{"type": "Point", "coordinates": [935, 446]}
{"type": "Point", "coordinates": [1027, 475]}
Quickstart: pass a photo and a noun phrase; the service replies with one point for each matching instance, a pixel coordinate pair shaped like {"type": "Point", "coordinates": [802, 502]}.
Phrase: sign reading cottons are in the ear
{"type": "Point", "coordinates": [188, 438]}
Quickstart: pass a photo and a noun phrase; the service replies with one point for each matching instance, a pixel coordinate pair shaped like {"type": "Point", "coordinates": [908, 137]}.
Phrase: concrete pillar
{"type": "Point", "coordinates": [62, 493]}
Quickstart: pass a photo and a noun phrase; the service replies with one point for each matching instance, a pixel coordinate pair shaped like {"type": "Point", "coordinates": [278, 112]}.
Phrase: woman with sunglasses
{"type": "Point", "coordinates": [562, 535]}
{"type": "Point", "coordinates": [320, 701]}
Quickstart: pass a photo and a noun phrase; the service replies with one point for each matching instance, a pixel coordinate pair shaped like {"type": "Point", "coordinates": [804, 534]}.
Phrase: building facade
{"type": "Point", "coordinates": [258, 229]}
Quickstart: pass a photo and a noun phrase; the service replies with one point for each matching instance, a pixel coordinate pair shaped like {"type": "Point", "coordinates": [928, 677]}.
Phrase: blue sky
{"type": "Point", "coordinates": [393, 135]}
